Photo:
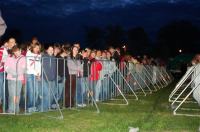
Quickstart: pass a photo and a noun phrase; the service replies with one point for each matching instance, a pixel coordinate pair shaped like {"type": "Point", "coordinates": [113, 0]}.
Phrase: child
{"type": "Point", "coordinates": [95, 69]}
{"type": "Point", "coordinates": [15, 67]}
{"type": "Point", "coordinates": [3, 56]}
{"type": "Point", "coordinates": [63, 72]}
{"type": "Point", "coordinates": [49, 79]}
{"type": "Point", "coordinates": [5, 51]}
{"type": "Point", "coordinates": [33, 64]}
{"type": "Point", "coordinates": [84, 79]}
{"type": "Point", "coordinates": [73, 83]}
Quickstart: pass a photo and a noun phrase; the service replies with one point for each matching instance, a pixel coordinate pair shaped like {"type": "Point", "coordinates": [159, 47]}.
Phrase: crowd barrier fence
{"type": "Point", "coordinates": [53, 84]}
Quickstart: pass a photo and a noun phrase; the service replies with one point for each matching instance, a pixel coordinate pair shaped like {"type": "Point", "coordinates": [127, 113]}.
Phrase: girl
{"type": "Point", "coordinates": [15, 68]}
{"type": "Point", "coordinates": [75, 69]}
{"type": "Point", "coordinates": [33, 63]}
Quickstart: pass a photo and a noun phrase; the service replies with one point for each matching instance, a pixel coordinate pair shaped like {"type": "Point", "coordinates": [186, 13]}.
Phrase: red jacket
{"type": "Point", "coordinates": [95, 68]}
{"type": "Point", "coordinates": [3, 55]}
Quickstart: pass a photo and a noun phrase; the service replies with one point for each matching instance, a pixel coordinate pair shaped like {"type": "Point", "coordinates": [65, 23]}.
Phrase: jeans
{"type": "Point", "coordinates": [61, 85]}
{"type": "Point", "coordinates": [44, 94]}
{"type": "Point", "coordinates": [84, 88]}
{"type": "Point", "coordinates": [98, 89]}
{"type": "Point", "coordinates": [53, 91]}
{"type": "Point", "coordinates": [105, 87]}
{"type": "Point", "coordinates": [79, 91]}
{"type": "Point", "coordinates": [92, 87]}
{"type": "Point", "coordinates": [1, 86]}
{"type": "Point", "coordinates": [14, 90]}
{"type": "Point", "coordinates": [33, 85]}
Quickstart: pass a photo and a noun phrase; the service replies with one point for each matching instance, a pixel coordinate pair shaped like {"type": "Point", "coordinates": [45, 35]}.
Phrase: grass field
{"type": "Point", "coordinates": [150, 113]}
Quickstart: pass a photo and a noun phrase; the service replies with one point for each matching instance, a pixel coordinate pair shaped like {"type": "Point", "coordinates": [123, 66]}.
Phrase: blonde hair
{"type": "Point", "coordinates": [32, 46]}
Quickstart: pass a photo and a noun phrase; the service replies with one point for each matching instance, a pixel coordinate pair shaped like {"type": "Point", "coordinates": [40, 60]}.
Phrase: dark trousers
{"type": "Point", "coordinates": [70, 91]}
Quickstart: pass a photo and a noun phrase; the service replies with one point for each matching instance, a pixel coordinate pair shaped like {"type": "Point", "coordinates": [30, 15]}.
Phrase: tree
{"type": "Point", "coordinates": [114, 35]}
{"type": "Point", "coordinates": [178, 35]}
{"type": "Point", "coordinates": [138, 40]}
{"type": "Point", "coordinates": [94, 37]}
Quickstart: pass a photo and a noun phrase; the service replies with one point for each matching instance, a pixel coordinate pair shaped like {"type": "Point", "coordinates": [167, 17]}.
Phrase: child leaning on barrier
{"type": "Point", "coordinates": [99, 81]}
{"type": "Point", "coordinates": [49, 91]}
{"type": "Point", "coordinates": [95, 69]}
{"type": "Point", "coordinates": [63, 72]}
{"type": "Point", "coordinates": [15, 67]}
{"type": "Point", "coordinates": [5, 51]}
{"type": "Point", "coordinates": [3, 56]}
{"type": "Point", "coordinates": [33, 81]}
{"type": "Point", "coordinates": [73, 88]}
{"type": "Point", "coordinates": [104, 76]}
{"type": "Point", "coordinates": [84, 80]}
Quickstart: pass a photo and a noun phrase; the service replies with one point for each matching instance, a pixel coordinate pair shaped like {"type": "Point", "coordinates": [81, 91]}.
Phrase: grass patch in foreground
{"type": "Point", "coordinates": [150, 113]}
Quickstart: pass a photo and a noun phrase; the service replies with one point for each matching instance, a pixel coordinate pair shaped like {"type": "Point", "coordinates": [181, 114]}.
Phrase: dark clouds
{"type": "Point", "coordinates": [66, 19]}
{"type": "Point", "coordinates": [62, 8]}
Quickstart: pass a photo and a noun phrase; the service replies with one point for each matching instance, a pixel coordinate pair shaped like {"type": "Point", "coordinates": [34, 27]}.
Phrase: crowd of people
{"type": "Point", "coordinates": [63, 67]}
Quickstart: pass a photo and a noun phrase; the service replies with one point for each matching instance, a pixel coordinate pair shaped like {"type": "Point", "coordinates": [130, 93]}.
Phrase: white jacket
{"type": "Point", "coordinates": [33, 62]}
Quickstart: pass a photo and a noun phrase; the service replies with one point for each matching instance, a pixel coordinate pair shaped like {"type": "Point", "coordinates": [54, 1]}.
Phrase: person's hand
{"type": "Point", "coordinates": [38, 78]}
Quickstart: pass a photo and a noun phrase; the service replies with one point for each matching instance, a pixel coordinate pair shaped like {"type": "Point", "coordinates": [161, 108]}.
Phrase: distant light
{"type": "Point", "coordinates": [124, 47]}
{"type": "Point", "coordinates": [180, 51]}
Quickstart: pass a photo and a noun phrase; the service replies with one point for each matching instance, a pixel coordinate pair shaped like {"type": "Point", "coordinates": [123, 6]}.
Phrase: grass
{"type": "Point", "coordinates": [150, 113]}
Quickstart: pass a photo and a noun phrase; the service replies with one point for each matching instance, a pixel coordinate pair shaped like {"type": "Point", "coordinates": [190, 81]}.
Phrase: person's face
{"type": "Point", "coordinates": [111, 50]}
{"type": "Point", "coordinates": [132, 58]}
{"type": "Point", "coordinates": [108, 55]}
{"type": "Point", "coordinates": [17, 53]}
{"type": "Point", "coordinates": [34, 41]}
{"type": "Point", "coordinates": [98, 54]}
{"type": "Point", "coordinates": [56, 51]}
{"type": "Point", "coordinates": [36, 49]}
{"type": "Point", "coordinates": [93, 55]}
{"type": "Point", "coordinates": [50, 51]}
{"type": "Point", "coordinates": [11, 43]}
{"type": "Point", "coordinates": [198, 58]}
{"type": "Point", "coordinates": [89, 51]}
{"type": "Point", "coordinates": [84, 54]}
{"type": "Point", "coordinates": [103, 55]}
{"type": "Point", "coordinates": [75, 51]}
{"type": "Point", "coordinates": [77, 45]}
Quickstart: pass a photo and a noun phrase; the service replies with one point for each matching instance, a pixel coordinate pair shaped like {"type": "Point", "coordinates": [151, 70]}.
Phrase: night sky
{"type": "Point", "coordinates": [66, 20]}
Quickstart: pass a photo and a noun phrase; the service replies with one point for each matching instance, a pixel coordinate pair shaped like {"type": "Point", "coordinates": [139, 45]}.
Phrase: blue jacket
{"type": "Point", "coordinates": [49, 65]}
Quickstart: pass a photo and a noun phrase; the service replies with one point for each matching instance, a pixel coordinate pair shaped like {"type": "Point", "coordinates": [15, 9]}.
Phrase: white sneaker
{"type": "Point", "coordinates": [32, 109]}
{"type": "Point", "coordinates": [54, 106]}
{"type": "Point", "coordinates": [84, 105]}
{"type": "Point", "coordinates": [79, 105]}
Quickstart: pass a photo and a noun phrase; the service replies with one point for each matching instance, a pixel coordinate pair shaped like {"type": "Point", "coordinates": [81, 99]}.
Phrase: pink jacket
{"type": "Point", "coordinates": [15, 68]}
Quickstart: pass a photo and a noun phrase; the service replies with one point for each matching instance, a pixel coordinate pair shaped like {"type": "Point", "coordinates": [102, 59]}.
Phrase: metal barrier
{"type": "Point", "coordinates": [181, 98]}
{"type": "Point", "coordinates": [53, 84]}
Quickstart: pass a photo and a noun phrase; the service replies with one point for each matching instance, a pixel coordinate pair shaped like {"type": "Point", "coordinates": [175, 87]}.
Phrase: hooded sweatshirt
{"type": "Point", "coordinates": [49, 65]}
